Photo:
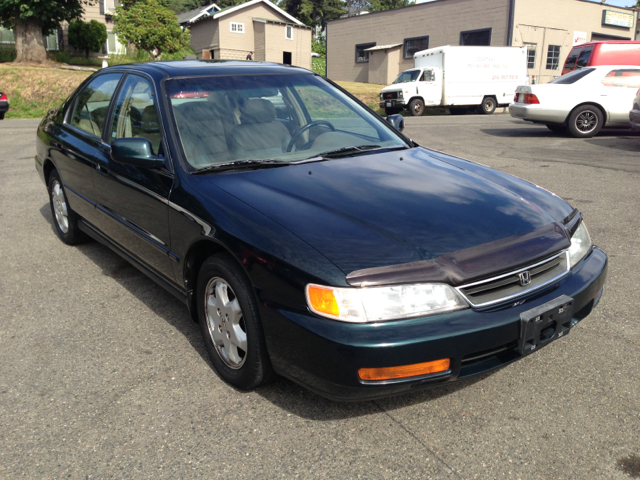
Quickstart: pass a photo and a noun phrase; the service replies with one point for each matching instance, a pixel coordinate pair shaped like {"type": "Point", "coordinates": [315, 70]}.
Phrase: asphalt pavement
{"type": "Point", "coordinates": [104, 375]}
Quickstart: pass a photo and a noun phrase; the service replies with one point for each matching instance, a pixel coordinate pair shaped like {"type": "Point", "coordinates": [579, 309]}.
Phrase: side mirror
{"type": "Point", "coordinates": [136, 152]}
{"type": "Point", "coordinates": [396, 121]}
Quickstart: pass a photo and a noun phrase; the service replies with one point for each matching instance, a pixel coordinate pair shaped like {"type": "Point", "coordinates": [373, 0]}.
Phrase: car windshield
{"type": "Point", "coordinates": [572, 77]}
{"type": "Point", "coordinates": [408, 76]}
{"type": "Point", "coordinates": [284, 118]}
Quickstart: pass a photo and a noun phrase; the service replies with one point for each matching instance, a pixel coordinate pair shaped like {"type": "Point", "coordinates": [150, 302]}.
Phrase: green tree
{"type": "Point", "coordinates": [314, 12]}
{"type": "Point", "coordinates": [380, 5]}
{"type": "Point", "coordinates": [87, 36]}
{"type": "Point", "coordinates": [150, 27]}
{"type": "Point", "coordinates": [31, 20]}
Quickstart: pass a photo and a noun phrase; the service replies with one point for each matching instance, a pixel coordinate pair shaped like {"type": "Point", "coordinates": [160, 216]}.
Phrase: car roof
{"type": "Point", "coordinates": [191, 68]}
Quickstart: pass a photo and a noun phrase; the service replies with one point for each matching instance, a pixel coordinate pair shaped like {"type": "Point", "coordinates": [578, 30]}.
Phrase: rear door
{"type": "Point", "coordinates": [619, 89]}
{"type": "Point", "coordinates": [133, 201]}
{"type": "Point", "coordinates": [79, 140]}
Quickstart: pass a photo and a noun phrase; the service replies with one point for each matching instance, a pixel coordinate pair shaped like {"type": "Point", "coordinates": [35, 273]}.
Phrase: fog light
{"type": "Point", "coordinates": [415, 370]}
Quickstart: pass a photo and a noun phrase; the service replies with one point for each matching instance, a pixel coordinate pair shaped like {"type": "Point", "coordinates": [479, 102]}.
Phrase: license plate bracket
{"type": "Point", "coordinates": [388, 104]}
{"type": "Point", "coordinates": [541, 325]}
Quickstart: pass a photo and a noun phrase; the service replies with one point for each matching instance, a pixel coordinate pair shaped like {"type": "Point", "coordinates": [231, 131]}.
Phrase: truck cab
{"type": "Point", "coordinates": [413, 90]}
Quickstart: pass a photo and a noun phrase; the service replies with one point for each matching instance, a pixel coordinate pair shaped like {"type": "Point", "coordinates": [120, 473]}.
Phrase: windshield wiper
{"type": "Point", "coordinates": [237, 164]}
{"type": "Point", "coordinates": [355, 149]}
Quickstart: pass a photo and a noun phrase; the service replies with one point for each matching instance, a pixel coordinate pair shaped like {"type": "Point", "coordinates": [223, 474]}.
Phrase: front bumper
{"type": "Point", "coordinates": [537, 113]}
{"type": "Point", "coordinates": [392, 104]}
{"type": "Point", "coordinates": [634, 116]}
{"type": "Point", "coordinates": [325, 355]}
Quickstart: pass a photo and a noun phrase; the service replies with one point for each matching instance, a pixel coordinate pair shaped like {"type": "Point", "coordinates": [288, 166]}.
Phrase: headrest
{"type": "Point", "coordinates": [150, 120]}
{"type": "Point", "coordinates": [219, 99]}
{"type": "Point", "coordinates": [257, 110]}
{"type": "Point", "coordinates": [196, 111]}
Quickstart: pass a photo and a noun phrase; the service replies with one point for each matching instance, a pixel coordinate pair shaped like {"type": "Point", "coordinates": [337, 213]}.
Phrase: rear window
{"type": "Point", "coordinates": [573, 77]}
{"type": "Point", "coordinates": [570, 64]}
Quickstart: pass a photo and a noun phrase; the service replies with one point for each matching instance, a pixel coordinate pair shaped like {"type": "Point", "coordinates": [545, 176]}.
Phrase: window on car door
{"type": "Point", "coordinates": [135, 113]}
{"type": "Point", "coordinates": [92, 104]}
{"type": "Point", "coordinates": [583, 58]}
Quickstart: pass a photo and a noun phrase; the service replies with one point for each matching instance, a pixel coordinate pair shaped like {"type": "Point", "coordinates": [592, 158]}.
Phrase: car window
{"type": "Point", "coordinates": [92, 104]}
{"type": "Point", "coordinates": [572, 77]}
{"type": "Point", "coordinates": [622, 78]}
{"type": "Point", "coordinates": [135, 113]}
{"type": "Point", "coordinates": [572, 58]}
{"type": "Point", "coordinates": [583, 59]}
{"type": "Point", "coordinates": [409, 76]}
{"type": "Point", "coordinates": [284, 117]}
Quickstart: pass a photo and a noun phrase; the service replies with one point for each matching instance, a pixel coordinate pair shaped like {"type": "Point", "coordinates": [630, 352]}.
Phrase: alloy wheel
{"type": "Point", "coordinates": [225, 323]}
{"type": "Point", "coordinates": [60, 207]}
{"type": "Point", "coordinates": [587, 121]}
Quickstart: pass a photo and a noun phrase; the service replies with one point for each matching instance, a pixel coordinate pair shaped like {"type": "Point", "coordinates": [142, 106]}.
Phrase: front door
{"type": "Point", "coordinates": [74, 154]}
{"type": "Point", "coordinates": [133, 201]}
{"type": "Point", "coordinates": [430, 86]}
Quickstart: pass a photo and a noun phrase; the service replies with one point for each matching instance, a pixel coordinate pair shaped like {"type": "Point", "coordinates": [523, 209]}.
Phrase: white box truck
{"type": "Point", "coordinates": [458, 77]}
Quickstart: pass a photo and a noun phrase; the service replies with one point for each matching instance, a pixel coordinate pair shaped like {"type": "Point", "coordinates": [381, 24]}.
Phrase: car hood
{"type": "Point", "coordinates": [390, 208]}
{"type": "Point", "coordinates": [394, 87]}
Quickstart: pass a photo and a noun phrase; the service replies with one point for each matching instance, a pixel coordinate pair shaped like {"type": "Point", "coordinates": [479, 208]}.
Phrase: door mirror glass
{"type": "Point", "coordinates": [136, 152]}
{"type": "Point", "coordinates": [396, 121]}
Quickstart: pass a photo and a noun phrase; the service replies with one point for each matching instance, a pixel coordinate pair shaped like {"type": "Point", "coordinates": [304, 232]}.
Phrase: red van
{"type": "Point", "coordinates": [613, 52]}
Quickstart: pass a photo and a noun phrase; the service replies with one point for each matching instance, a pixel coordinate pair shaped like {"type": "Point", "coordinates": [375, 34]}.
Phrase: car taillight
{"type": "Point", "coordinates": [515, 99]}
{"type": "Point", "coordinates": [3, 97]}
{"type": "Point", "coordinates": [530, 98]}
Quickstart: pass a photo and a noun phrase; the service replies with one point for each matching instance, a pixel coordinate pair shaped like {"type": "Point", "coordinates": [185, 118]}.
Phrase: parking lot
{"type": "Point", "coordinates": [104, 375]}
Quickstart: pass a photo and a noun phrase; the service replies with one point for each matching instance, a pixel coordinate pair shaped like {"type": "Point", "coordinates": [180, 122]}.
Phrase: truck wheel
{"type": "Point", "coordinates": [585, 121]}
{"type": "Point", "coordinates": [392, 111]}
{"type": "Point", "coordinates": [416, 107]}
{"type": "Point", "coordinates": [488, 106]}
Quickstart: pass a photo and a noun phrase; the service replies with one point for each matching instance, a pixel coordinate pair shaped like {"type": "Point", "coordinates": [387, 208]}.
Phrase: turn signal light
{"type": "Point", "coordinates": [530, 98]}
{"type": "Point", "coordinates": [417, 369]}
{"type": "Point", "coordinates": [323, 300]}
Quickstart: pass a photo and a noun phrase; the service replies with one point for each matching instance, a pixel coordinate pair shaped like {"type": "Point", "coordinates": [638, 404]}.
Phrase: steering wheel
{"type": "Point", "coordinates": [301, 130]}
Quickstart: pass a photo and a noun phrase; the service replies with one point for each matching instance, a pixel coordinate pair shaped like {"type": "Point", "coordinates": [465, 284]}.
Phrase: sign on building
{"type": "Point", "coordinates": [579, 38]}
{"type": "Point", "coordinates": [617, 19]}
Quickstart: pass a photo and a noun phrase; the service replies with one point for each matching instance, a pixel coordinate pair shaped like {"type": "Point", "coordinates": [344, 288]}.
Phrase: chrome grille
{"type": "Point", "coordinates": [390, 95]}
{"type": "Point", "coordinates": [511, 285]}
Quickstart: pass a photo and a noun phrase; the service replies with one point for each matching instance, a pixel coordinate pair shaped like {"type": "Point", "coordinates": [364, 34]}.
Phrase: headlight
{"type": "Point", "coordinates": [580, 244]}
{"type": "Point", "coordinates": [376, 304]}
{"type": "Point", "coordinates": [380, 96]}
{"type": "Point", "coordinates": [400, 94]}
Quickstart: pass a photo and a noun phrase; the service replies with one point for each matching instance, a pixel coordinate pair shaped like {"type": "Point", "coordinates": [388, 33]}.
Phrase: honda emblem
{"type": "Point", "coordinates": [525, 278]}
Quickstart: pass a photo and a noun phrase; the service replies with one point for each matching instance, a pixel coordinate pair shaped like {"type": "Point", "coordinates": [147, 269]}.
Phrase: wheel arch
{"type": "Point", "coordinates": [597, 105]}
{"type": "Point", "coordinates": [415, 97]}
{"type": "Point", "coordinates": [47, 167]}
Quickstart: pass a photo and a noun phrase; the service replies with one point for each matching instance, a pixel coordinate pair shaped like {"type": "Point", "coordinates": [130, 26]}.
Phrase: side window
{"type": "Point", "coordinates": [570, 64]}
{"type": "Point", "coordinates": [323, 106]}
{"type": "Point", "coordinates": [427, 76]}
{"type": "Point", "coordinates": [92, 105]}
{"type": "Point", "coordinates": [583, 59]}
{"type": "Point", "coordinates": [135, 113]}
{"type": "Point", "coordinates": [622, 78]}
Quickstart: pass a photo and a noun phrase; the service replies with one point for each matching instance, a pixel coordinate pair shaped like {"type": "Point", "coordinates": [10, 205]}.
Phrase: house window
{"type": "Point", "coordinates": [476, 37]}
{"type": "Point", "coordinates": [237, 27]}
{"type": "Point", "coordinates": [361, 55]}
{"type": "Point", "coordinates": [553, 57]}
{"type": "Point", "coordinates": [113, 45]}
{"type": "Point", "coordinates": [288, 32]}
{"type": "Point", "coordinates": [531, 55]}
{"type": "Point", "coordinates": [51, 41]}
{"type": "Point", "coordinates": [7, 36]}
{"type": "Point", "coordinates": [416, 44]}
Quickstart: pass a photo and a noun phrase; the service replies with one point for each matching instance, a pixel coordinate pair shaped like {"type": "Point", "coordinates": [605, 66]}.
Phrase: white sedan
{"type": "Point", "coordinates": [581, 102]}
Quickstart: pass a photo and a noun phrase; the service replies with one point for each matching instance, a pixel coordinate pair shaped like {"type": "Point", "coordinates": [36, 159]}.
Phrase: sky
{"type": "Point", "coordinates": [616, 3]}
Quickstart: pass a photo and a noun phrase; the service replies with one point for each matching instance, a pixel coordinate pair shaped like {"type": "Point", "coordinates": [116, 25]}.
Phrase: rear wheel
{"type": "Point", "coordinates": [230, 323]}
{"type": "Point", "coordinates": [556, 127]}
{"type": "Point", "coordinates": [65, 220]}
{"type": "Point", "coordinates": [488, 106]}
{"type": "Point", "coordinates": [585, 121]}
{"type": "Point", "coordinates": [416, 107]}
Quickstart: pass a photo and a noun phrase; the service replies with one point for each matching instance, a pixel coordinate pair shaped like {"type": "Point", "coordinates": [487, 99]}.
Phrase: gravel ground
{"type": "Point", "coordinates": [105, 376]}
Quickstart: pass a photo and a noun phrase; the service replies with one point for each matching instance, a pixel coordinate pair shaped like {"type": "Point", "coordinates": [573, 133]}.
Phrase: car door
{"type": "Point", "coordinates": [619, 88]}
{"type": "Point", "coordinates": [74, 150]}
{"type": "Point", "coordinates": [430, 86]}
{"type": "Point", "coordinates": [133, 201]}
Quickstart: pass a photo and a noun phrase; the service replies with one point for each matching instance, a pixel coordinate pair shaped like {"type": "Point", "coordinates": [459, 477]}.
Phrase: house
{"type": "Point", "coordinates": [375, 48]}
{"type": "Point", "coordinates": [187, 18]}
{"type": "Point", "coordinates": [256, 26]}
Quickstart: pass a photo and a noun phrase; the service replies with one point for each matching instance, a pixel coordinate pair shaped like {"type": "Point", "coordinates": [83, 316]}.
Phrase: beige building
{"type": "Point", "coordinates": [257, 26]}
{"type": "Point", "coordinates": [376, 47]}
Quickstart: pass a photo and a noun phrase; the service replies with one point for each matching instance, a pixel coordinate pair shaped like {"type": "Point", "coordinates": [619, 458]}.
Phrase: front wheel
{"type": "Point", "coordinates": [65, 220]}
{"type": "Point", "coordinates": [488, 106]}
{"type": "Point", "coordinates": [416, 107]}
{"type": "Point", "coordinates": [585, 121]}
{"type": "Point", "coordinates": [230, 323]}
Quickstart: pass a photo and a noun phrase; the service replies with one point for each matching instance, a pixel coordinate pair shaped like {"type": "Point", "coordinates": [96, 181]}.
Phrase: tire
{"type": "Point", "coordinates": [585, 121]}
{"type": "Point", "coordinates": [556, 127]}
{"type": "Point", "coordinates": [457, 110]}
{"type": "Point", "coordinates": [391, 111]}
{"type": "Point", "coordinates": [230, 324]}
{"type": "Point", "coordinates": [416, 107]}
{"type": "Point", "coordinates": [65, 220]}
{"type": "Point", "coordinates": [488, 106]}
